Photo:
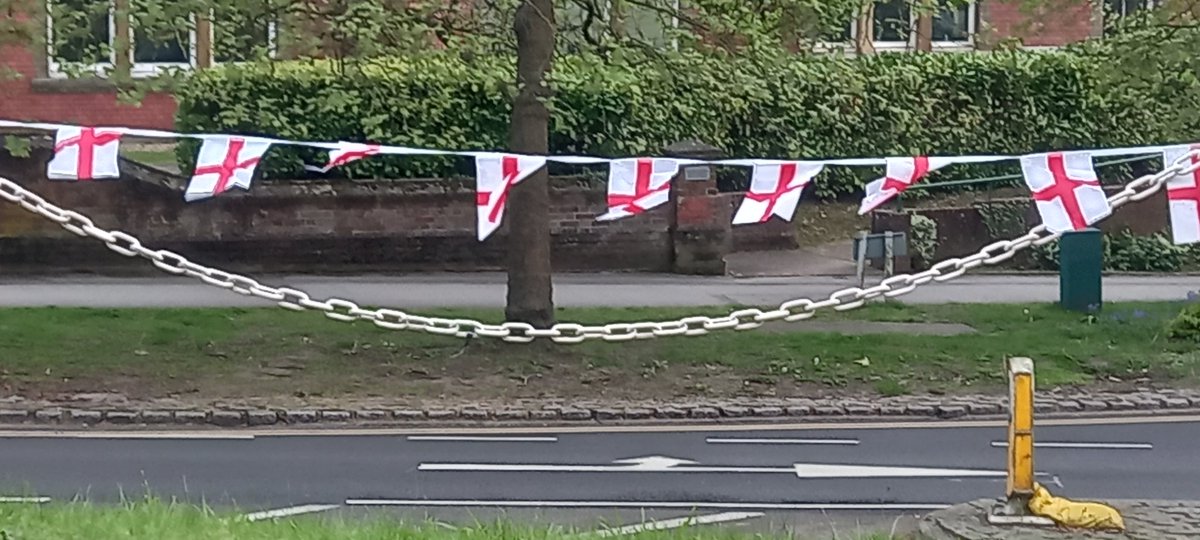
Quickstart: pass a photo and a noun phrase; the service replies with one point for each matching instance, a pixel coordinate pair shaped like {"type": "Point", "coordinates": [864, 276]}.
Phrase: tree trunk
{"type": "Point", "coordinates": [530, 294]}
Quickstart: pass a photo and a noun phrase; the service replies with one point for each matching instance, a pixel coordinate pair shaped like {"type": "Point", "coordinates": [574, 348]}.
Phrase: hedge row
{"type": "Point", "coordinates": [889, 104]}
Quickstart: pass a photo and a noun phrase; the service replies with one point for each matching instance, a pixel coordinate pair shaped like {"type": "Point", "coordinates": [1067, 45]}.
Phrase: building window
{"type": "Point", "coordinates": [1123, 8]}
{"type": "Point", "coordinates": [894, 25]}
{"type": "Point", "coordinates": [648, 23]}
{"type": "Point", "coordinates": [80, 39]}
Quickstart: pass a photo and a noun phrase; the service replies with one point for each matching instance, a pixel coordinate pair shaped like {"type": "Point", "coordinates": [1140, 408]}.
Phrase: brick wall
{"type": "Point", "coordinates": [33, 96]}
{"type": "Point", "coordinates": [322, 228]}
{"type": "Point", "coordinates": [1064, 22]}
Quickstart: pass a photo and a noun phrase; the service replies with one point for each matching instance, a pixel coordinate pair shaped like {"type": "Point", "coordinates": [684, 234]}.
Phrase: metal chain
{"type": "Point", "coordinates": [792, 310]}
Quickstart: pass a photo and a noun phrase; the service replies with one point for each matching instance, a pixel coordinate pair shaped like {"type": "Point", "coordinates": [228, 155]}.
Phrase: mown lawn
{"type": "Point", "coordinates": [209, 354]}
{"type": "Point", "coordinates": [163, 521]}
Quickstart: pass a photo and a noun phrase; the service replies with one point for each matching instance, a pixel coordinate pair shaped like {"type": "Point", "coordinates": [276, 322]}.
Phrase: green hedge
{"type": "Point", "coordinates": [888, 104]}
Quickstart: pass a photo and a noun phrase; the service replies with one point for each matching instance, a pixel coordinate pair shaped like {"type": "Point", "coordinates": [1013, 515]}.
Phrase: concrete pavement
{"type": "Point", "coordinates": [571, 290]}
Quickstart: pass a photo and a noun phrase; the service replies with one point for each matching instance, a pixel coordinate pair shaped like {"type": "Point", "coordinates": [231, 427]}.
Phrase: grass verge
{"type": "Point", "coordinates": [214, 354]}
{"type": "Point", "coordinates": [164, 521]}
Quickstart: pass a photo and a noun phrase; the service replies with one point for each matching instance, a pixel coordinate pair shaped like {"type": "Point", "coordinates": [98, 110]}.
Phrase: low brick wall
{"type": "Point", "coordinates": [341, 226]}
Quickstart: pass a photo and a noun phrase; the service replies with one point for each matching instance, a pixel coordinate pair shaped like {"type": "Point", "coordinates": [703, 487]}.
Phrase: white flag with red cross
{"type": "Point", "coordinates": [224, 163]}
{"type": "Point", "coordinates": [636, 185]}
{"type": "Point", "coordinates": [1066, 190]}
{"type": "Point", "coordinates": [346, 152]}
{"type": "Point", "coordinates": [1183, 196]}
{"type": "Point", "coordinates": [900, 174]}
{"type": "Point", "coordinates": [775, 190]}
{"type": "Point", "coordinates": [85, 153]}
{"type": "Point", "coordinates": [495, 176]}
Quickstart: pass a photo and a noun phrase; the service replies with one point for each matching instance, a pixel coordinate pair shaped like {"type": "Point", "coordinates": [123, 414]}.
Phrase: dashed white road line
{"type": "Point", "coordinates": [461, 438]}
{"type": "Point", "coordinates": [833, 442]}
{"type": "Point", "coordinates": [121, 435]}
{"type": "Point", "coordinates": [675, 523]}
{"type": "Point", "coordinates": [1083, 446]}
{"type": "Point", "coordinates": [24, 500]}
{"type": "Point", "coordinates": [639, 504]}
{"type": "Point", "coordinates": [290, 511]}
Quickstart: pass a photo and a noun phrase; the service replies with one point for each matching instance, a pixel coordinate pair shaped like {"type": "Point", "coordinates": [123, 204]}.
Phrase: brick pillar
{"type": "Point", "coordinates": [701, 234]}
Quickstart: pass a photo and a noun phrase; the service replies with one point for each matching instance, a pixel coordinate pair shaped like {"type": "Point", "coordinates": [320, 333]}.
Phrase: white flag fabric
{"type": "Point", "coordinates": [224, 163]}
{"type": "Point", "coordinates": [1183, 196]}
{"type": "Point", "coordinates": [346, 152]}
{"type": "Point", "coordinates": [899, 175]}
{"type": "Point", "coordinates": [775, 190]}
{"type": "Point", "coordinates": [1066, 190]}
{"type": "Point", "coordinates": [636, 185]}
{"type": "Point", "coordinates": [495, 176]}
{"type": "Point", "coordinates": [84, 153]}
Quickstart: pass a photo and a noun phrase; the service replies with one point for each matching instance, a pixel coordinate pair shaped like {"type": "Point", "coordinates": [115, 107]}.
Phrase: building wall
{"type": "Point", "coordinates": [1067, 21]}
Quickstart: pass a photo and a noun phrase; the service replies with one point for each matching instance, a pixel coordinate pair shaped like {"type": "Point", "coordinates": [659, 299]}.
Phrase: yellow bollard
{"type": "Point", "coordinates": [1020, 429]}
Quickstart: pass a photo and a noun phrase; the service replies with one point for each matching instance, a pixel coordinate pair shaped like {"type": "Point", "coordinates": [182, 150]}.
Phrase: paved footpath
{"type": "Point", "coordinates": [571, 290]}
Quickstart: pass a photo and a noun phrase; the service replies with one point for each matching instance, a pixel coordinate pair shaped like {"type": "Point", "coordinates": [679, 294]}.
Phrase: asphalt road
{"type": "Point", "coordinates": [731, 469]}
{"type": "Point", "coordinates": [571, 290]}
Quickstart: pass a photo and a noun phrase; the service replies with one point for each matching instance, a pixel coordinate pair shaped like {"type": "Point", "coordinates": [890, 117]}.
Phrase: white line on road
{"type": "Point", "coordinates": [663, 464]}
{"type": "Point", "coordinates": [119, 435]}
{"type": "Point", "coordinates": [460, 438]}
{"type": "Point", "coordinates": [640, 504]}
{"type": "Point", "coordinates": [722, 440]}
{"type": "Point", "coordinates": [24, 500]}
{"type": "Point", "coordinates": [290, 511]}
{"type": "Point", "coordinates": [676, 523]}
{"type": "Point", "coordinates": [1080, 445]}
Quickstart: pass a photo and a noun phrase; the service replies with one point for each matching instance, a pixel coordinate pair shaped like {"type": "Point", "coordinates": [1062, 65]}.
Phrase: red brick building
{"type": "Point", "coordinates": [43, 92]}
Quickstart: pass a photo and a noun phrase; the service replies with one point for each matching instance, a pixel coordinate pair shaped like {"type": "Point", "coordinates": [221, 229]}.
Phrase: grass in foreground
{"type": "Point", "coordinates": [162, 521]}
{"type": "Point", "coordinates": [207, 354]}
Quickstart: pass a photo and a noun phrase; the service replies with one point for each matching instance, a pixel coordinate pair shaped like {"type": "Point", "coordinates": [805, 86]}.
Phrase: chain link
{"type": "Point", "coordinates": [518, 332]}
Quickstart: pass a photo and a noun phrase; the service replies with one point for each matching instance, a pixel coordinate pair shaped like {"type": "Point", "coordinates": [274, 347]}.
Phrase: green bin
{"type": "Point", "coordinates": [1081, 256]}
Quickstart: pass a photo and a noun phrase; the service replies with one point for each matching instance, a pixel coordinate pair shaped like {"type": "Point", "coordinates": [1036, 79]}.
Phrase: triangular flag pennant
{"type": "Point", "coordinates": [84, 153]}
{"type": "Point", "coordinates": [1183, 196]}
{"type": "Point", "coordinates": [346, 152]}
{"type": "Point", "coordinates": [1066, 190]}
{"type": "Point", "coordinates": [900, 174]}
{"type": "Point", "coordinates": [224, 163]}
{"type": "Point", "coordinates": [495, 176]}
{"type": "Point", "coordinates": [638, 184]}
{"type": "Point", "coordinates": [775, 190]}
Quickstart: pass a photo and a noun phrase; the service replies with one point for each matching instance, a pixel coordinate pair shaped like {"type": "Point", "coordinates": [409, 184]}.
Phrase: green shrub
{"type": "Point", "coordinates": [1127, 252]}
{"type": "Point", "coordinates": [803, 107]}
{"type": "Point", "coordinates": [1186, 327]}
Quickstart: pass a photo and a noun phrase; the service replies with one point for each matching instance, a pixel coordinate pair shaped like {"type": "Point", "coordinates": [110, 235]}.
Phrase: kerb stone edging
{"type": "Point", "coordinates": [1144, 520]}
{"type": "Point", "coordinates": [747, 410]}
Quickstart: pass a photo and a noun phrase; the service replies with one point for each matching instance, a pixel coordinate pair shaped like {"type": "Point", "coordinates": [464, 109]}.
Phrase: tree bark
{"type": "Point", "coordinates": [530, 293]}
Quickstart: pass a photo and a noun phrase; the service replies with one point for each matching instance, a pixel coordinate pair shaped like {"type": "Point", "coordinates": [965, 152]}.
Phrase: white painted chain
{"type": "Point", "coordinates": [793, 310]}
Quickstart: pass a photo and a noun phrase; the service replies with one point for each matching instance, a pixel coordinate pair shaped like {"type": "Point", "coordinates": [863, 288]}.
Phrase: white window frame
{"type": "Point", "coordinates": [149, 69]}
{"type": "Point", "coordinates": [911, 42]}
{"type": "Point", "coordinates": [1150, 4]}
{"type": "Point", "coordinates": [272, 39]}
{"type": "Point", "coordinates": [55, 69]}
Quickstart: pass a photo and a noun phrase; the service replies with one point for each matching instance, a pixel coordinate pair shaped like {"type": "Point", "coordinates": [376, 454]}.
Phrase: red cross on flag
{"type": "Point", "coordinates": [636, 185]}
{"type": "Point", "coordinates": [901, 173]}
{"type": "Point", "coordinates": [84, 153]}
{"type": "Point", "coordinates": [223, 163]}
{"type": "Point", "coordinates": [495, 176]}
{"type": "Point", "coordinates": [1066, 190]}
{"type": "Point", "coordinates": [775, 190]}
{"type": "Point", "coordinates": [1183, 196]}
{"type": "Point", "coordinates": [346, 152]}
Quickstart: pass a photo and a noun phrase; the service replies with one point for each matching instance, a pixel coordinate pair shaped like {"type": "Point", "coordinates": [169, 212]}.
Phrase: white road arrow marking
{"type": "Point", "coordinates": [663, 464]}
{"type": "Point", "coordinates": [685, 505]}
{"type": "Point", "coordinates": [290, 511]}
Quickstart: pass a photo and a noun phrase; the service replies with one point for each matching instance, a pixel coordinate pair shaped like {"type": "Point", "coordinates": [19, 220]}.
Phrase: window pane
{"type": "Point", "coordinates": [952, 23]}
{"type": "Point", "coordinates": [151, 50]}
{"type": "Point", "coordinates": [649, 24]}
{"type": "Point", "coordinates": [892, 20]}
{"type": "Point", "coordinates": [80, 31]}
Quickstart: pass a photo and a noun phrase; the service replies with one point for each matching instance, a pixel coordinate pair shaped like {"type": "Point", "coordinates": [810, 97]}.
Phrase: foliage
{"type": "Point", "coordinates": [1127, 252]}
{"type": "Point", "coordinates": [1186, 326]}
{"type": "Point", "coordinates": [752, 105]}
{"type": "Point", "coordinates": [1004, 219]}
{"type": "Point", "coordinates": [924, 239]}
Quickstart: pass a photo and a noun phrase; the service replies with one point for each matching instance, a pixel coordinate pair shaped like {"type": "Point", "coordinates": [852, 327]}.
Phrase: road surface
{"type": "Point", "coordinates": [571, 290]}
{"type": "Point", "coordinates": [585, 472]}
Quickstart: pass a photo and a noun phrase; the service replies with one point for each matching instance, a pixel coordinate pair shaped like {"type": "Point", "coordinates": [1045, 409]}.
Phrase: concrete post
{"type": "Point", "coordinates": [701, 233]}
